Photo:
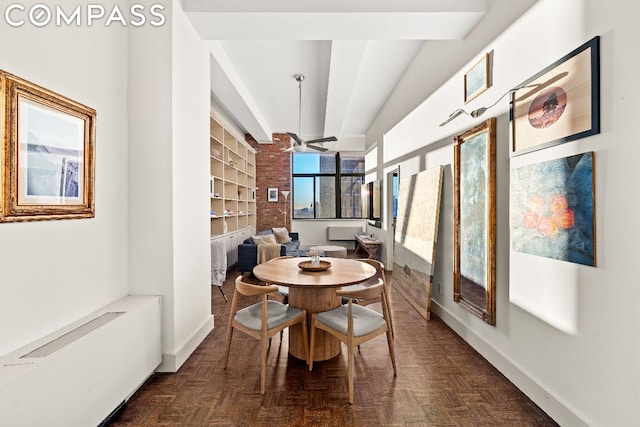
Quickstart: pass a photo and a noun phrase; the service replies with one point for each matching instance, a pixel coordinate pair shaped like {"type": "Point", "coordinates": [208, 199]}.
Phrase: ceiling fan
{"type": "Point", "coordinates": [298, 144]}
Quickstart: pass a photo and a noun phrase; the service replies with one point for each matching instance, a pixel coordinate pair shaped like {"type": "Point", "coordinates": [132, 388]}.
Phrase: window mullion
{"type": "Point", "coordinates": [338, 188]}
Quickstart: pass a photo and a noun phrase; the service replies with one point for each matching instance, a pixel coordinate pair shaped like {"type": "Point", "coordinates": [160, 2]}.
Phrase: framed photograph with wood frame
{"type": "Point", "coordinates": [477, 79]}
{"type": "Point", "coordinates": [48, 157]}
{"type": "Point", "coordinates": [560, 103]}
{"type": "Point", "coordinates": [272, 194]}
{"type": "Point", "coordinates": [474, 261]}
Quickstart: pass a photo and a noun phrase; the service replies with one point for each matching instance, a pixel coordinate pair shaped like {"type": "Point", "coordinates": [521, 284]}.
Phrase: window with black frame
{"type": "Point", "coordinates": [327, 186]}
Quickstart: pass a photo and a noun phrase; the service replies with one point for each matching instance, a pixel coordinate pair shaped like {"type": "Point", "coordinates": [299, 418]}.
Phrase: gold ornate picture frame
{"type": "Point", "coordinates": [474, 264]}
{"type": "Point", "coordinates": [48, 157]}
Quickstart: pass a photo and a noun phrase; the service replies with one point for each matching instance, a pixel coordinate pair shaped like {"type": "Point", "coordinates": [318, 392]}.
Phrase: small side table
{"type": "Point", "coordinates": [369, 244]}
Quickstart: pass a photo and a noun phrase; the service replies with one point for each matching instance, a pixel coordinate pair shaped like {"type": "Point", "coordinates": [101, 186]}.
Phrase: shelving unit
{"type": "Point", "coordinates": [232, 187]}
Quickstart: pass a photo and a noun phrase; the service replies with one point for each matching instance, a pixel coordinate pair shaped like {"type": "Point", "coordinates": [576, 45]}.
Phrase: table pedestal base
{"type": "Point", "coordinates": [314, 301]}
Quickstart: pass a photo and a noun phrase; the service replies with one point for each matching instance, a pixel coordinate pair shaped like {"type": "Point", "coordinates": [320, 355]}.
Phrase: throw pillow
{"type": "Point", "coordinates": [282, 234]}
{"type": "Point", "coordinates": [268, 239]}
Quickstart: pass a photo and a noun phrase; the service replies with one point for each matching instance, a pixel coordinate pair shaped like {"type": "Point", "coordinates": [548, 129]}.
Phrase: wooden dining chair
{"type": "Point", "coordinates": [262, 320]}
{"type": "Point", "coordinates": [354, 324]}
{"type": "Point", "coordinates": [373, 281]}
{"type": "Point", "coordinates": [282, 294]}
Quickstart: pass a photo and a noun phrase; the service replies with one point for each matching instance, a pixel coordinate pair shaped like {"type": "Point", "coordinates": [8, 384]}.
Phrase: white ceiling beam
{"type": "Point", "coordinates": [345, 63]}
{"type": "Point", "coordinates": [386, 6]}
{"type": "Point", "coordinates": [232, 92]}
{"type": "Point", "coordinates": [334, 26]}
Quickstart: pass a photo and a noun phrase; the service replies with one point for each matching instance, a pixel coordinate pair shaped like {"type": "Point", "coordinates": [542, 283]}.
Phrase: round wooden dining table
{"type": "Point", "coordinates": [314, 291]}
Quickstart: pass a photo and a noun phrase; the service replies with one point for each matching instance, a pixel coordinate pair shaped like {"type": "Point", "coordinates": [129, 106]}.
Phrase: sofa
{"type": "Point", "coordinates": [248, 251]}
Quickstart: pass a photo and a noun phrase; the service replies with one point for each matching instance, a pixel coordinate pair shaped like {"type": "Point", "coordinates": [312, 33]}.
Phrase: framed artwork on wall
{"type": "Point", "coordinates": [272, 194]}
{"type": "Point", "coordinates": [552, 209]}
{"type": "Point", "coordinates": [559, 104]}
{"type": "Point", "coordinates": [477, 79]}
{"type": "Point", "coordinates": [474, 261]}
{"type": "Point", "coordinates": [49, 154]}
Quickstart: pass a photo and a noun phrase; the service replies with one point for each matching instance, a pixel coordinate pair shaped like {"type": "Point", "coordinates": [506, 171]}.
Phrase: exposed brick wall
{"type": "Point", "coordinates": [273, 169]}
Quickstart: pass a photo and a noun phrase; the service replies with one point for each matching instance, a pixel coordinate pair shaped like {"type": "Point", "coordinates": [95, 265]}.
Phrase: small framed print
{"type": "Point", "coordinates": [48, 154]}
{"type": "Point", "coordinates": [272, 194]}
{"type": "Point", "coordinates": [477, 79]}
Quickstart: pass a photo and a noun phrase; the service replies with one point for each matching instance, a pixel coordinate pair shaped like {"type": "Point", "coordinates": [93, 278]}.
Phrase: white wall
{"type": "Point", "coordinates": [54, 272]}
{"type": "Point", "coordinates": [169, 251]}
{"type": "Point", "coordinates": [150, 170]}
{"type": "Point", "coordinates": [584, 375]}
{"type": "Point", "coordinates": [191, 228]}
{"type": "Point", "coordinates": [314, 233]}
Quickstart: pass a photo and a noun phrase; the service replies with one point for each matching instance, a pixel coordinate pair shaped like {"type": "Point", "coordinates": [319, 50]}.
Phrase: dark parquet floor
{"type": "Point", "coordinates": [441, 381]}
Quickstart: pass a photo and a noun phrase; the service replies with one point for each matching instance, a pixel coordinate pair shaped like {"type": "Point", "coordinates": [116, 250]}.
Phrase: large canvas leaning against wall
{"type": "Point", "coordinates": [552, 209]}
{"type": "Point", "coordinates": [416, 237]}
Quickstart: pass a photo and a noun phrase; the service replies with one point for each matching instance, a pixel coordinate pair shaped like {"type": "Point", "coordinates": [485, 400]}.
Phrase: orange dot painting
{"type": "Point", "coordinates": [547, 227]}
{"type": "Point", "coordinates": [558, 206]}
{"type": "Point", "coordinates": [558, 202]}
{"type": "Point", "coordinates": [547, 107]}
{"type": "Point", "coordinates": [530, 219]}
{"type": "Point", "coordinates": [564, 218]}
{"type": "Point", "coordinates": [536, 204]}
{"type": "Point", "coordinates": [552, 209]}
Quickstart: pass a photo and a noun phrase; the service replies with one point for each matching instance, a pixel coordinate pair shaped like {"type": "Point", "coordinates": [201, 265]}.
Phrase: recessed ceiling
{"type": "Point", "coordinates": [352, 54]}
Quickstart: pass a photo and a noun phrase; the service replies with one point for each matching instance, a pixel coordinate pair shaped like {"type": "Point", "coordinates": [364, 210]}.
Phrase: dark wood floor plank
{"type": "Point", "coordinates": [441, 381]}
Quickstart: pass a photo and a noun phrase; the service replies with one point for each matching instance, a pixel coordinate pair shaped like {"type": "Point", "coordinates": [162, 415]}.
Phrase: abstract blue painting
{"type": "Point", "coordinates": [552, 209]}
{"type": "Point", "coordinates": [473, 209]}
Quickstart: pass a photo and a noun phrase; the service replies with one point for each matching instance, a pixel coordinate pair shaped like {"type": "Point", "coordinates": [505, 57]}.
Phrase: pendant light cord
{"type": "Point", "coordinates": [299, 106]}
{"type": "Point", "coordinates": [299, 78]}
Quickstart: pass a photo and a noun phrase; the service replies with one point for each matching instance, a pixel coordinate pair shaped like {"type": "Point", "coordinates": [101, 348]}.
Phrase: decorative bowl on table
{"type": "Point", "coordinates": [310, 266]}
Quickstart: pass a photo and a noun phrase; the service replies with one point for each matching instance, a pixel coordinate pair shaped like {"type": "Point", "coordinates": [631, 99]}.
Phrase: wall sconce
{"type": "Point", "coordinates": [480, 111]}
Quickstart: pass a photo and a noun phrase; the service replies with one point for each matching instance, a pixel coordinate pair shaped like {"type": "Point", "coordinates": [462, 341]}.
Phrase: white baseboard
{"type": "Point", "coordinates": [549, 403]}
{"type": "Point", "coordinates": [171, 362]}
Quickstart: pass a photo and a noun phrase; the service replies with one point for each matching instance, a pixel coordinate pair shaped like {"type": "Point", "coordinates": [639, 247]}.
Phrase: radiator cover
{"type": "Point", "coordinates": [79, 374]}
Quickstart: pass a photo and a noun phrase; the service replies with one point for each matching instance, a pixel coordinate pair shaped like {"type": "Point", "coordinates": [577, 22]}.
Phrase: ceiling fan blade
{"type": "Point", "coordinates": [315, 147]}
{"type": "Point", "coordinates": [295, 137]}
{"type": "Point", "coordinates": [327, 139]}
{"type": "Point", "coordinates": [288, 149]}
